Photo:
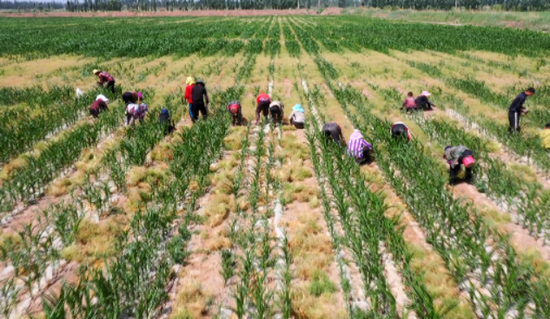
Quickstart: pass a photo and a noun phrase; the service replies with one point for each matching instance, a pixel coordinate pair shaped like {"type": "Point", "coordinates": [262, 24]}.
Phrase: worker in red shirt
{"type": "Point", "coordinates": [263, 100]}
{"type": "Point", "coordinates": [99, 105]}
{"type": "Point", "coordinates": [188, 97]}
{"type": "Point", "coordinates": [105, 77]}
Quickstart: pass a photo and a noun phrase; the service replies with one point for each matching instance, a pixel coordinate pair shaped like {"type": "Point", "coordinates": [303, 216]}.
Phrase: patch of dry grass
{"type": "Point", "coordinates": [307, 306]}
{"type": "Point", "coordinates": [94, 241]}
{"type": "Point", "coordinates": [191, 301]}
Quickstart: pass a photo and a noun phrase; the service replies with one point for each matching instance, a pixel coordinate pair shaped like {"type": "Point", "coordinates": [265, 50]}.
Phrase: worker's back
{"type": "Point", "coordinates": [197, 94]}
{"type": "Point", "coordinates": [545, 137]}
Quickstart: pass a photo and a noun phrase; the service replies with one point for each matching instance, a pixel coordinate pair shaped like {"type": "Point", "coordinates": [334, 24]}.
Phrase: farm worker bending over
{"type": "Point", "coordinates": [276, 108]}
{"type": "Point", "coordinates": [188, 89]}
{"type": "Point", "coordinates": [457, 156]}
{"type": "Point", "coordinates": [516, 109]}
{"type": "Point", "coordinates": [422, 102]}
{"type": "Point", "coordinates": [297, 117]}
{"type": "Point", "coordinates": [166, 121]}
{"type": "Point", "coordinates": [263, 100]}
{"type": "Point", "coordinates": [200, 100]}
{"type": "Point", "coordinates": [132, 97]}
{"type": "Point", "coordinates": [410, 103]}
{"type": "Point", "coordinates": [545, 137]}
{"type": "Point", "coordinates": [399, 129]}
{"type": "Point", "coordinates": [334, 131]}
{"type": "Point", "coordinates": [235, 109]}
{"type": "Point", "coordinates": [360, 149]}
{"type": "Point", "coordinates": [105, 77]}
{"type": "Point", "coordinates": [99, 105]}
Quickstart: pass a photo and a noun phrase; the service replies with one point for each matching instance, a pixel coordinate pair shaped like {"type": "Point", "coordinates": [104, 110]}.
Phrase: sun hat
{"type": "Point", "coordinates": [298, 107]}
{"type": "Point", "coordinates": [426, 93]}
{"type": "Point", "coordinates": [190, 80]}
{"type": "Point", "coordinates": [102, 97]}
{"type": "Point", "coordinates": [139, 95]}
{"type": "Point", "coordinates": [96, 71]}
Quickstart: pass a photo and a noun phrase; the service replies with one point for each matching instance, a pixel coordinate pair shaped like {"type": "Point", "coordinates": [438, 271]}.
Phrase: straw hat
{"type": "Point", "coordinates": [96, 71]}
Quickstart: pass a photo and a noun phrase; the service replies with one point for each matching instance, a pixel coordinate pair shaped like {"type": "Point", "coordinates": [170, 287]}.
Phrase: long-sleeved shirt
{"type": "Point", "coordinates": [517, 103]}
{"type": "Point", "coordinates": [198, 93]}
{"type": "Point", "coordinates": [422, 101]}
{"type": "Point", "coordinates": [105, 77]}
{"type": "Point", "coordinates": [545, 137]}
{"type": "Point", "coordinates": [356, 144]}
{"type": "Point", "coordinates": [279, 105]}
{"type": "Point", "coordinates": [454, 153]}
{"type": "Point", "coordinates": [188, 90]}
{"type": "Point", "coordinates": [99, 105]}
{"type": "Point", "coordinates": [234, 110]}
{"type": "Point", "coordinates": [334, 130]}
{"type": "Point", "coordinates": [263, 97]}
{"type": "Point", "coordinates": [297, 117]}
{"type": "Point", "coordinates": [397, 124]}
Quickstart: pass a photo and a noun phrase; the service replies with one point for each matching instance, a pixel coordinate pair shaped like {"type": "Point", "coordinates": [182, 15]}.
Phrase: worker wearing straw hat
{"type": "Point", "coordinates": [423, 103]}
{"type": "Point", "coordinates": [457, 156]}
{"type": "Point", "coordinates": [105, 77]}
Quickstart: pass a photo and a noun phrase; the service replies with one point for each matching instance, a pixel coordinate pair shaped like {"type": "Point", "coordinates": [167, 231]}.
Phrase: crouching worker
{"type": "Point", "coordinates": [105, 77]}
{"type": "Point", "coordinates": [334, 131]}
{"type": "Point", "coordinates": [410, 103]}
{"type": "Point", "coordinates": [166, 121]}
{"type": "Point", "coordinates": [297, 117]}
{"type": "Point", "coordinates": [360, 149]}
{"type": "Point", "coordinates": [262, 106]}
{"type": "Point", "coordinates": [400, 130]}
{"type": "Point", "coordinates": [457, 156]}
{"type": "Point", "coordinates": [276, 109]}
{"type": "Point", "coordinates": [136, 112]}
{"type": "Point", "coordinates": [99, 105]}
{"type": "Point", "coordinates": [423, 103]}
{"type": "Point", "coordinates": [235, 109]}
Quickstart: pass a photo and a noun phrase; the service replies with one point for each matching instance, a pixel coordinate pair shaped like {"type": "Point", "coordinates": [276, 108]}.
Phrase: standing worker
{"type": "Point", "coordinates": [263, 100]}
{"type": "Point", "coordinates": [457, 156]}
{"type": "Point", "coordinates": [188, 89]}
{"type": "Point", "coordinates": [276, 109]}
{"type": "Point", "coordinates": [516, 109]}
{"type": "Point", "coordinates": [235, 109]}
{"type": "Point", "coordinates": [297, 117]}
{"type": "Point", "coordinates": [200, 100]}
{"type": "Point", "coordinates": [359, 148]}
{"type": "Point", "coordinates": [545, 137]}
{"type": "Point", "coordinates": [423, 103]}
{"type": "Point", "coordinates": [334, 131]}
{"type": "Point", "coordinates": [399, 129]}
{"type": "Point", "coordinates": [105, 77]}
{"type": "Point", "coordinates": [99, 105]}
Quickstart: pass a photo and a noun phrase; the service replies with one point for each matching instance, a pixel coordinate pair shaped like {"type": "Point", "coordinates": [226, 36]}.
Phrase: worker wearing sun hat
{"type": "Point", "coordinates": [297, 117]}
{"type": "Point", "coordinates": [457, 156]}
{"type": "Point", "coordinates": [99, 105]}
{"type": "Point", "coordinates": [105, 77]}
{"type": "Point", "coordinates": [423, 103]}
{"type": "Point", "coordinates": [188, 89]}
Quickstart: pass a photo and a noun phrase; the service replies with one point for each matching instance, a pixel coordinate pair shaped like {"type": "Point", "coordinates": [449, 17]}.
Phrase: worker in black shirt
{"type": "Point", "coordinates": [423, 103]}
{"type": "Point", "coordinates": [200, 100]}
{"type": "Point", "coordinates": [517, 109]}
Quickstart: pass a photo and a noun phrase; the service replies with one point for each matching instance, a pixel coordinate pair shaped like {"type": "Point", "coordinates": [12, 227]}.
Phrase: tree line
{"type": "Point", "coordinates": [185, 5]}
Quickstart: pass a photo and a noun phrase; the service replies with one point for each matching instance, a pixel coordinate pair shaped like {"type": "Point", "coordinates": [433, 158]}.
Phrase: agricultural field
{"type": "Point", "coordinates": [100, 220]}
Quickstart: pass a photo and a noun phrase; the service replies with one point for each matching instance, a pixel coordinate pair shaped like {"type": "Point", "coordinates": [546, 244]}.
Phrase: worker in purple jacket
{"type": "Point", "coordinates": [360, 149]}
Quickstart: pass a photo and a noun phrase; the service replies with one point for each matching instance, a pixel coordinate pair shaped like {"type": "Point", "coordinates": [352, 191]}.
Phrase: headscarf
{"type": "Point", "coordinates": [102, 97]}
{"type": "Point", "coordinates": [190, 81]}
{"type": "Point", "coordinates": [356, 135]}
{"type": "Point", "coordinates": [298, 108]}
